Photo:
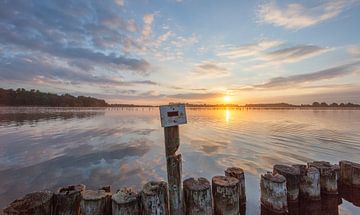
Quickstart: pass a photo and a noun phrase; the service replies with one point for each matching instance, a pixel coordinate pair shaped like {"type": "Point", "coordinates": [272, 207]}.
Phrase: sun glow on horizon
{"type": "Point", "coordinates": [227, 99]}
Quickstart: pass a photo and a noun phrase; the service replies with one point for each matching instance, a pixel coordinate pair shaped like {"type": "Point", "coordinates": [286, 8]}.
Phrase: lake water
{"type": "Point", "coordinates": [45, 148]}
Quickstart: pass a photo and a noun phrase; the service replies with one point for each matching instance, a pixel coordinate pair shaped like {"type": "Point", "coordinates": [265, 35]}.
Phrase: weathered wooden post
{"type": "Point", "coordinates": [37, 203]}
{"type": "Point", "coordinates": [274, 193]}
{"type": "Point", "coordinates": [95, 202]}
{"type": "Point", "coordinates": [328, 176]}
{"type": "Point", "coordinates": [226, 194]}
{"type": "Point", "coordinates": [171, 117]}
{"type": "Point", "coordinates": [355, 177]}
{"type": "Point", "coordinates": [154, 198]}
{"type": "Point", "coordinates": [345, 172]}
{"type": "Point", "coordinates": [197, 197]}
{"type": "Point", "coordinates": [67, 200]}
{"type": "Point", "coordinates": [239, 174]}
{"type": "Point", "coordinates": [126, 202]}
{"type": "Point", "coordinates": [292, 176]}
{"type": "Point", "coordinates": [309, 184]}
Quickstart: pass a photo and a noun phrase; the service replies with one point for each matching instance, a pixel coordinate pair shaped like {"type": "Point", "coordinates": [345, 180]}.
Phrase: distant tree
{"type": "Point", "coordinates": [21, 97]}
{"type": "Point", "coordinates": [316, 104]}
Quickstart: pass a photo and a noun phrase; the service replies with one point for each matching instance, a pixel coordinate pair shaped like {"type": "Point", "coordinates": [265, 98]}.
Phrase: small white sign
{"type": "Point", "coordinates": [172, 115]}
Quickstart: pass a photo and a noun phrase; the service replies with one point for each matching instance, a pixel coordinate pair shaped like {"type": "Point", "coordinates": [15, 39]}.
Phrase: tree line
{"type": "Point", "coordinates": [22, 97]}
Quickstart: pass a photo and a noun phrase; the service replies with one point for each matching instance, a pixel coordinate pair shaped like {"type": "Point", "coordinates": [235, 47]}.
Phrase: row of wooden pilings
{"type": "Point", "coordinates": [281, 190]}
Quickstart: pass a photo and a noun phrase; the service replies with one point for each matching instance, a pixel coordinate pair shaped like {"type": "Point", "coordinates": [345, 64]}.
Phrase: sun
{"type": "Point", "coordinates": [227, 99]}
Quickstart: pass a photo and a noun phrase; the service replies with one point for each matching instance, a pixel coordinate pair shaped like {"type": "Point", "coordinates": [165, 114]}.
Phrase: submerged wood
{"type": "Point", "coordinates": [197, 196]}
{"type": "Point", "coordinates": [274, 192]}
{"type": "Point", "coordinates": [239, 174]}
{"type": "Point", "coordinates": [292, 176]}
{"type": "Point", "coordinates": [226, 194]}
{"type": "Point", "coordinates": [95, 202]}
{"type": "Point", "coordinates": [154, 198]}
{"type": "Point", "coordinates": [126, 202]}
{"type": "Point", "coordinates": [67, 200]}
{"type": "Point", "coordinates": [37, 203]}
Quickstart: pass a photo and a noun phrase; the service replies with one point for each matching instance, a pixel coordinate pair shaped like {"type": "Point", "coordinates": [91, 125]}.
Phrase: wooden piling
{"type": "Point", "coordinates": [197, 197]}
{"type": "Point", "coordinates": [239, 174]}
{"type": "Point", "coordinates": [95, 202]}
{"type": "Point", "coordinates": [292, 176]}
{"type": "Point", "coordinates": [154, 198]}
{"type": "Point", "coordinates": [309, 184]}
{"type": "Point", "coordinates": [67, 200]}
{"type": "Point", "coordinates": [273, 192]}
{"type": "Point", "coordinates": [355, 177]}
{"type": "Point", "coordinates": [328, 180]}
{"type": "Point", "coordinates": [37, 203]}
{"type": "Point", "coordinates": [126, 202]}
{"type": "Point", "coordinates": [226, 194]}
{"type": "Point", "coordinates": [345, 172]}
{"type": "Point", "coordinates": [174, 169]}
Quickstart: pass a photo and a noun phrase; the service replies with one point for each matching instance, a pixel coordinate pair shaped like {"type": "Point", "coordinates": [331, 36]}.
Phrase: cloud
{"type": "Point", "coordinates": [45, 69]}
{"type": "Point", "coordinates": [120, 2]}
{"type": "Point", "coordinates": [194, 96]}
{"type": "Point", "coordinates": [147, 28]}
{"type": "Point", "coordinates": [86, 31]}
{"type": "Point", "coordinates": [210, 69]}
{"type": "Point", "coordinates": [294, 80]}
{"type": "Point", "coordinates": [354, 51]}
{"type": "Point", "coordinates": [250, 49]}
{"type": "Point", "coordinates": [293, 54]}
{"type": "Point", "coordinates": [297, 16]}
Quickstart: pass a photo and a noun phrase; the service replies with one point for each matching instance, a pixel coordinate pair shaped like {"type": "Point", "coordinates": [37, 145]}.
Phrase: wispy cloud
{"type": "Point", "coordinates": [210, 69]}
{"type": "Point", "coordinates": [293, 54]}
{"type": "Point", "coordinates": [297, 16]}
{"type": "Point", "coordinates": [296, 80]}
{"type": "Point", "coordinates": [249, 50]}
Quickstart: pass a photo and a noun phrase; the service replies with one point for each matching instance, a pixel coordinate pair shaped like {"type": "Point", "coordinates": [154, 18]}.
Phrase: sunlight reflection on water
{"type": "Point", "coordinates": [53, 147]}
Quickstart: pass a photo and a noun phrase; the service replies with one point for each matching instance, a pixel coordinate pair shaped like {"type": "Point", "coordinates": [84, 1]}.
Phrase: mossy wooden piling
{"type": "Point", "coordinates": [273, 193]}
{"type": "Point", "coordinates": [67, 200]}
{"type": "Point", "coordinates": [95, 202]}
{"type": "Point", "coordinates": [197, 197]}
{"type": "Point", "coordinates": [226, 194]}
{"type": "Point", "coordinates": [292, 176]}
{"type": "Point", "coordinates": [238, 173]}
{"type": "Point", "coordinates": [309, 183]}
{"type": "Point", "coordinates": [37, 203]}
{"type": "Point", "coordinates": [154, 198]}
{"type": "Point", "coordinates": [126, 202]}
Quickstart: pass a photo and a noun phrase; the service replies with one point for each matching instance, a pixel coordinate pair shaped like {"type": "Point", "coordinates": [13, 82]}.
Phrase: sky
{"type": "Point", "coordinates": [196, 51]}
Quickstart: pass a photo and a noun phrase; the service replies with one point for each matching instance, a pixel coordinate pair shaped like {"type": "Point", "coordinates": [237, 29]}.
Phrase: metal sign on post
{"type": "Point", "coordinates": [171, 117]}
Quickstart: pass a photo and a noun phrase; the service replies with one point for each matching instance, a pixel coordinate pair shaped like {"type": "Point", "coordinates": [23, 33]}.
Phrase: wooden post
{"type": "Point", "coordinates": [355, 177]}
{"type": "Point", "coordinates": [292, 176]}
{"type": "Point", "coordinates": [126, 202]}
{"type": "Point", "coordinates": [37, 203]}
{"type": "Point", "coordinates": [239, 174]}
{"type": "Point", "coordinates": [328, 181]}
{"type": "Point", "coordinates": [309, 184]}
{"type": "Point", "coordinates": [95, 202]}
{"type": "Point", "coordinates": [172, 116]}
{"type": "Point", "coordinates": [154, 198]}
{"type": "Point", "coordinates": [226, 195]}
{"type": "Point", "coordinates": [274, 193]}
{"type": "Point", "coordinates": [329, 205]}
{"type": "Point", "coordinates": [345, 172]}
{"type": "Point", "coordinates": [67, 200]}
{"type": "Point", "coordinates": [174, 168]}
{"type": "Point", "coordinates": [197, 197]}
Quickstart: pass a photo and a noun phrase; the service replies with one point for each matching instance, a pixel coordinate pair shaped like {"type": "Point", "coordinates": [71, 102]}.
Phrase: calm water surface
{"type": "Point", "coordinates": [49, 147]}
